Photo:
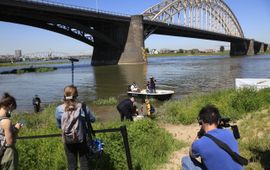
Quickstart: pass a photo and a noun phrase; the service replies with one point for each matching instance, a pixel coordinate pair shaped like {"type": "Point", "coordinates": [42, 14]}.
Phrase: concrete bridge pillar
{"type": "Point", "coordinates": [109, 53]}
{"type": "Point", "coordinates": [258, 47]}
{"type": "Point", "coordinates": [127, 46]}
{"type": "Point", "coordinates": [242, 48]}
{"type": "Point", "coordinates": [134, 47]}
{"type": "Point", "coordinates": [265, 46]}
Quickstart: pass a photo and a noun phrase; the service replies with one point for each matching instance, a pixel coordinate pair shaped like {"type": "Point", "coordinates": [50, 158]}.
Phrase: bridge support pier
{"type": "Point", "coordinates": [258, 47]}
{"type": "Point", "coordinates": [242, 48]}
{"type": "Point", "coordinates": [108, 53]}
{"type": "Point", "coordinates": [128, 47]}
{"type": "Point", "coordinates": [134, 47]}
{"type": "Point", "coordinates": [265, 47]}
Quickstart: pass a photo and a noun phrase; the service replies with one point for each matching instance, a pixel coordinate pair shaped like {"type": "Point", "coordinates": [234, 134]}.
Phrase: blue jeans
{"type": "Point", "coordinates": [188, 164]}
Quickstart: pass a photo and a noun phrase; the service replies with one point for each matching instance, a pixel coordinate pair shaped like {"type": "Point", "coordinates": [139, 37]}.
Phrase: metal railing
{"type": "Point", "coordinates": [86, 9]}
{"type": "Point", "coordinates": [121, 129]}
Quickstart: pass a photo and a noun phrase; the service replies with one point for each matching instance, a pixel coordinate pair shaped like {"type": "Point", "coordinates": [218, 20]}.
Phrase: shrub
{"type": "Point", "coordinates": [103, 102]}
{"type": "Point", "coordinates": [231, 103]}
{"type": "Point", "coordinates": [149, 144]}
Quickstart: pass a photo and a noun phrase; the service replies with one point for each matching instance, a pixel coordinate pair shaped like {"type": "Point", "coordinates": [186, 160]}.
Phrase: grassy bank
{"type": "Point", "coordinates": [190, 54]}
{"type": "Point", "coordinates": [149, 144]}
{"type": "Point", "coordinates": [255, 139]}
{"type": "Point", "coordinates": [30, 70]}
{"type": "Point", "coordinates": [31, 63]}
{"type": "Point", "coordinates": [248, 106]}
{"type": "Point", "coordinates": [234, 104]}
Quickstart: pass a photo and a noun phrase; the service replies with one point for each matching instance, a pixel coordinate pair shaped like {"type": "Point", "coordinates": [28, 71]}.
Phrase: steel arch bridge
{"type": "Point", "coordinates": [209, 15]}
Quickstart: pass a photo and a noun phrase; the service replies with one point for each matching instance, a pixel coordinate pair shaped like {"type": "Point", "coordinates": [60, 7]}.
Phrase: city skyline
{"type": "Point", "coordinates": [253, 16]}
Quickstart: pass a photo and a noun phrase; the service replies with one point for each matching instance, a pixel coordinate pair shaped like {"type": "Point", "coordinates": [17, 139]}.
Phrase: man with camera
{"type": "Point", "coordinates": [213, 156]}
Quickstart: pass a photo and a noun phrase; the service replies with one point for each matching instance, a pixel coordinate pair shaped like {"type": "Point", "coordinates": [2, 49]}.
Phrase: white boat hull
{"type": "Point", "coordinates": [159, 94]}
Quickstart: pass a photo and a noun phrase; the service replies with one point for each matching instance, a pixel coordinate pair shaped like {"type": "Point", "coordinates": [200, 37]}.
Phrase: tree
{"type": "Point", "coordinates": [222, 48]}
{"type": "Point", "coordinates": [180, 51]}
{"type": "Point", "coordinates": [146, 50]}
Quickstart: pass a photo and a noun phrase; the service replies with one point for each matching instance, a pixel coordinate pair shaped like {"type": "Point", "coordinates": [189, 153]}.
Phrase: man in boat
{"type": "Point", "coordinates": [152, 85]}
{"type": "Point", "coordinates": [126, 108]}
{"type": "Point", "coordinates": [134, 87]}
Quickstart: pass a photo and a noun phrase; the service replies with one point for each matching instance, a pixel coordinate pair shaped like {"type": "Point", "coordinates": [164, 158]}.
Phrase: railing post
{"type": "Point", "coordinates": [125, 138]}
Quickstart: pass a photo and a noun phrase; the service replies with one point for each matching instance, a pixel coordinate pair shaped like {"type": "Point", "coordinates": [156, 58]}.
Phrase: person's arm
{"type": "Point", "coordinates": [58, 116]}
{"type": "Point", "coordinates": [10, 131]}
{"type": "Point", "coordinates": [193, 150]}
{"type": "Point", "coordinates": [90, 115]}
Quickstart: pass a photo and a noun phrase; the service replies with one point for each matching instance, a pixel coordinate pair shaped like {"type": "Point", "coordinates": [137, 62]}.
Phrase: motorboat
{"type": "Point", "coordinates": [256, 83]}
{"type": "Point", "coordinates": [159, 94]}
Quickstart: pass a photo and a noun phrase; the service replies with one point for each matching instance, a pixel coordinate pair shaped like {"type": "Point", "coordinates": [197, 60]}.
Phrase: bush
{"type": "Point", "coordinates": [255, 140]}
{"type": "Point", "coordinates": [103, 102]}
{"type": "Point", "coordinates": [149, 144]}
{"type": "Point", "coordinates": [231, 103]}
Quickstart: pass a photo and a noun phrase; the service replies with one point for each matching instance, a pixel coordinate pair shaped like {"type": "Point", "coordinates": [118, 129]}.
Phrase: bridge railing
{"type": "Point", "coordinates": [59, 4]}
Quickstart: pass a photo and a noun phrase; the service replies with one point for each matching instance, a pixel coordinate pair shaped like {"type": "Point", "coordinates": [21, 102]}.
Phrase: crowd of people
{"type": "Point", "coordinates": [75, 118]}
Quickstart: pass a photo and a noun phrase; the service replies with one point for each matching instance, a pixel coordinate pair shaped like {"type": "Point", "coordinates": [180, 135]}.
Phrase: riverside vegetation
{"type": "Point", "coordinates": [249, 108]}
{"type": "Point", "coordinates": [30, 70]}
{"type": "Point", "coordinates": [151, 145]}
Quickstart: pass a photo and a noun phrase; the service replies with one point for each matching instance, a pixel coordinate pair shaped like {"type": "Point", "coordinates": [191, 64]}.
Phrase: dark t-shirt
{"type": "Point", "coordinates": [125, 106]}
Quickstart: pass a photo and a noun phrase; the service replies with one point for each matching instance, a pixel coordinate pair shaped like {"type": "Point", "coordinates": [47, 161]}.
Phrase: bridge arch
{"type": "Point", "coordinates": [210, 15]}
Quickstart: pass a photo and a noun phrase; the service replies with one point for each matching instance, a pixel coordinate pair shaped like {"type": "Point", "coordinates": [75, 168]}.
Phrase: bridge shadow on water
{"type": "Point", "coordinates": [114, 80]}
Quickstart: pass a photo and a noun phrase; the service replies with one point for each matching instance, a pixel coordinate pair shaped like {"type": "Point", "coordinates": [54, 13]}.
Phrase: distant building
{"type": "Point", "coordinates": [153, 51]}
{"type": "Point", "coordinates": [18, 53]}
{"type": "Point", "coordinates": [209, 50]}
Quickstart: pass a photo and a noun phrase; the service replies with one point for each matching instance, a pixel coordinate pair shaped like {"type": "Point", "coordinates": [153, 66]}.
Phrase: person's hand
{"type": "Point", "coordinates": [18, 125]}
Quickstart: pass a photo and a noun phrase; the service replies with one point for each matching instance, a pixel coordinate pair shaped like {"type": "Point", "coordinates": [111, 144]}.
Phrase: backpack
{"type": "Point", "coordinates": [152, 109]}
{"type": "Point", "coordinates": [72, 125]}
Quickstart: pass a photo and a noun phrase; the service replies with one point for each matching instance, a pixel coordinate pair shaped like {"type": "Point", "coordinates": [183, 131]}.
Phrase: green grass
{"type": "Point", "coordinates": [29, 70]}
{"type": "Point", "coordinates": [232, 103]}
{"type": "Point", "coordinates": [149, 145]}
{"type": "Point", "coordinates": [189, 54]}
{"type": "Point", "coordinates": [255, 139]}
{"type": "Point", "coordinates": [104, 102]}
{"type": "Point", "coordinates": [248, 106]}
{"type": "Point", "coordinates": [29, 64]}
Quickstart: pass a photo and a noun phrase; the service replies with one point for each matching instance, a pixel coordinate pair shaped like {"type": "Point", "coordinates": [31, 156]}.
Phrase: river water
{"type": "Point", "coordinates": [185, 75]}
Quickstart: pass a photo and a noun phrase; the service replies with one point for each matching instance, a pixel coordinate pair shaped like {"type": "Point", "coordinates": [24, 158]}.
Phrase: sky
{"type": "Point", "coordinates": [253, 16]}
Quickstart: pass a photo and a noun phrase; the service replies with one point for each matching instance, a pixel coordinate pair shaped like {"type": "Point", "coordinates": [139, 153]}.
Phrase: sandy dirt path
{"type": "Point", "coordinates": [180, 132]}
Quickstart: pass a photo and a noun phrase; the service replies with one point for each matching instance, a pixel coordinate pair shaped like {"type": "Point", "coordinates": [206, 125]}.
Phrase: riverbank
{"type": "Point", "coordinates": [247, 108]}
{"type": "Point", "coordinates": [157, 143]}
{"type": "Point", "coordinates": [225, 53]}
{"type": "Point", "coordinates": [30, 70]}
{"type": "Point", "coordinates": [31, 63]}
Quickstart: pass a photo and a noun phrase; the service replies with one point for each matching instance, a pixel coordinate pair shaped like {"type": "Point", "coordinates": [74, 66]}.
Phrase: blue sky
{"type": "Point", "coordinates": [253, 15]}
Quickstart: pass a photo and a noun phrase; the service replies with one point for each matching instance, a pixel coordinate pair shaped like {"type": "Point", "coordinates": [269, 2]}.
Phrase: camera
{"type": "Point", "coordinates": [223, 123]}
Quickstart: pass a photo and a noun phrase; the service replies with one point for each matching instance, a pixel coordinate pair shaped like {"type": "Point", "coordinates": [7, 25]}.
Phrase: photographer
{"type": "Point", "coordinates": [212, 156]}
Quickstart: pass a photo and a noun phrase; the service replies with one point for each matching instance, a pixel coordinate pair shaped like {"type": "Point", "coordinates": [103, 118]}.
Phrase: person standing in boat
{"type": "Point", "coordinates": [152, 85]}
{"type": "Point", "coordinates": [126, 108]}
